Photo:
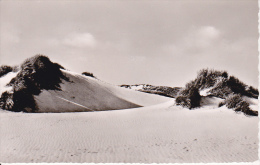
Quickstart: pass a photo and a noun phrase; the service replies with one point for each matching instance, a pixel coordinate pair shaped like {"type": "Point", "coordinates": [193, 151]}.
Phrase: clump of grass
{"type": "Point", "coordinates": [189, 97]}
{"type": "Point", "coordinates": [4, 69]}
{"type": "Point", "coordinates": [236, 102]}
{"type": "Point", "coordinates": [221, 85]}
{"type": "Point", "coordinates": [88, 74]}
{"type": "Point", "coordinates": [206, 78]}
{"type": "Point", "coordinates": [158, 90]}
{"type": "Point", "coordinates": [232, 100]}
{"type": "Point", "coordinates": [36, 73]}
{"type": "Point", "coordinates": [6, 101]}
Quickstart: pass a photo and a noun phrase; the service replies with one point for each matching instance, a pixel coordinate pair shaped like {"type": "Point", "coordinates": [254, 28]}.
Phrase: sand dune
{"type": "Point", "coordinates": [83, 93]}
{"type": "Point", "coordinates": [162, 133]}
{"type": "Point", "coordinates": [123, 126]}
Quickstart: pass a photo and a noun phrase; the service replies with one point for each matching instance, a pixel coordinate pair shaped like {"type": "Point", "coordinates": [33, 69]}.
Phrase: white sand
{"type": "Point", "coordinates": [85, 93]}
{"type": "Point", "coordinates": [160, 132]}
{"type": "Point", "coordinates": [253, 103]}
{"type": "Point", "coordinates": [153, 134]}
{"type": "Point", "coordinates": [5, 80]}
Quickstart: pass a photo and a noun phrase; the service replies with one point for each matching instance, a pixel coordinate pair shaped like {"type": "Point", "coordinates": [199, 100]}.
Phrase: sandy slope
{"type": "Point", "coordinates": [159, 133]}
{"type": "Point", "coordinates": [83, 93]}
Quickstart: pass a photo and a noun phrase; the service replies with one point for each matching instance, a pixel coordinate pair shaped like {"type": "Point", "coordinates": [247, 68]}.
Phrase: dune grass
{"type": "Point", "coordinates": [36, 73]}
{"type": "Point", "coordinates": [221, 85]}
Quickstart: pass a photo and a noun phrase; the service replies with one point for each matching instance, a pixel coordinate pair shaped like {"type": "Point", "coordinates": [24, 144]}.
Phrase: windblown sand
{"type": "Point", "coordinates": [154, 134]}
{"type": "Point", "coordinates": [83, 93]}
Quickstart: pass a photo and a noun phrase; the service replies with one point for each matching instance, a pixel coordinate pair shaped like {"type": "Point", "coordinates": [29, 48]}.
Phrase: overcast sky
{"type": "Point", "coordinates": [129, 42]}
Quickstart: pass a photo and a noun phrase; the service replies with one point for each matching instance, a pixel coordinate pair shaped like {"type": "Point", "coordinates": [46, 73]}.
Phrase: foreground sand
{"type": "Point", "coordinates": [156, 134]}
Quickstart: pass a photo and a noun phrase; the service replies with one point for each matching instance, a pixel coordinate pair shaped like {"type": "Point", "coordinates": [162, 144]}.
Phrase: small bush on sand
{"type": "Point", "coordinates": [189, 97]}
{"type": "Point", "coordinates": [88, 74]}
{"type": "Point", "coordinates": [236, 85]}
{"type": "Point", "coordinates": [252, 92]}
{"type": "Point", "coordinates": [236, 102]}
{"type": "Point", "coordinates": [222, 103]}
{"type": "Point", "coordinates": [6, 101]}
{"type": "Point", "coordinates": [35, 74]}
{"type": "Point", "coordinates": [232, 100]}
{"type": "Point", "coordinates": [219, 84]}
{"type": "Point", "coordinates": [183, 101]}
{"type": "Point", "coordinates": [208, 77]}
{"type": "Point", "coordinates": [4, 69]}
{"type": "Point", "coordinates": [243, 106]}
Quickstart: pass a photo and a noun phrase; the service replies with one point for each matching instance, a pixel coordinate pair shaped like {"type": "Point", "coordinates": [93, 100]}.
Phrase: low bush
{"type": "Point", "coordinates": [88, 74]}
{"type": "Point", "coordinates": [220, 104]}
{"type": "Point", "coordinates": [220, 89]}
{"type": "Point", "coordinates": [236, 85]}
{"type": "Point", "coordinates": [183, 101]}
{"type": "Point", "coordinates": [252, 92]}
{"type": "Point", "coordinates": [233, 100]}
{"type": "Point", "coordinates": [242, 106]}
{"type": "Point", "coordinates": [189, 97]}
{"type": "Point", "coordinates": [236, 102]}
{"type": "Point", "coordinates": [35, 74]}
{"type": "Point", "coordinates": [222, 85]}
{"type": "Point", "coordinates": [4, 69]}
{"type": "Point", "coordinates": [6, 101]}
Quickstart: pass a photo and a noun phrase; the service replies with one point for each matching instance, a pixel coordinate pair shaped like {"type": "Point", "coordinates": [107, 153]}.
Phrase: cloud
{"type": "Point", "coordinates": [202, 37]}
{"type": "Point", "coordinates": [196, 41]}
{"type": "Point", "coordinates": [80, 40]}
{"type": "Point", "coordinates": [208, 32]}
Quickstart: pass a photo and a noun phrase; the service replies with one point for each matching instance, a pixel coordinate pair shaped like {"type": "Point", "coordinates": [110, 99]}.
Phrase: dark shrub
{"type": "Point", "coordinates": [36, 73]}
{"type": "Point", "coordinates": [189, 98]}
{"type": "Point", "coordinates": [208, 77]}
{"type": "Point", "coordinates": [252, 92]}
{"type": "Point", "coordinates": [43, 73]}
{"type": "Point", "coordinates": [4, 69]}
{"type": "Point", "coordinates": [236, 85]}
{"type": "Point", "coordinates": [233, 100]}
{"type": "Point", "coordinates": [158, 90]}
{"type": "Point", "coordinates": [88, 74]}
{"type": "Point", "coordinates": [24, 101]}
{"type": "Point", "coordinates": [220, 85]}
{"type": "Point", "coordinates": [125, 86]}
{"type": "Point", "coordinates": [6, 101]}
{"type": "Point", "coordinates": [183, 101]}
{"type": "Point", "coordinates": [221, 104]}
{"type": "Point", "coordinates": [161, 90]}
{"type": "Point", "coordinates": [242, 106]}
{"type": "Point", "coordinates": [220, 89]}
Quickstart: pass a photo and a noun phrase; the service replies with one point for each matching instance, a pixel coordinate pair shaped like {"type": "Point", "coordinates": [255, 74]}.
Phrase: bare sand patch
{"type": "Point", "coordinates": [155, 134]}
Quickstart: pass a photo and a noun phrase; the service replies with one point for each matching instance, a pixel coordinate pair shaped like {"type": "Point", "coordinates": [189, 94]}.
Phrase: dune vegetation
{"type": "Point", "coordinates": [221, 85]}
{"type": "Point", "coordinates": [159, 90]}
{"type": "Point", "coordinates": [88, 74]}
{"type": "Point", "coordinates": [35, 73]}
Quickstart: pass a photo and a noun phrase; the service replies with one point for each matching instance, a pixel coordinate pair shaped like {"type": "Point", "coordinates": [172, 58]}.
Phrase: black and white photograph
{"type": "Point", "coordinates": [129, 81]}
